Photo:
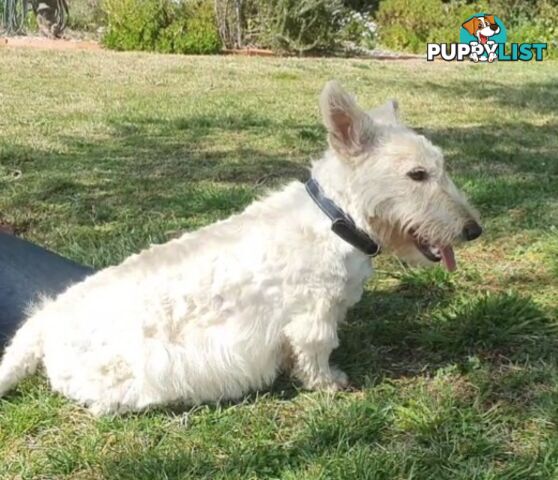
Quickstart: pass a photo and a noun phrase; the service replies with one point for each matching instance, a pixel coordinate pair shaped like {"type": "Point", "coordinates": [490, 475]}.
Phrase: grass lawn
{"type": "Point", "coordinates": [454, 376]}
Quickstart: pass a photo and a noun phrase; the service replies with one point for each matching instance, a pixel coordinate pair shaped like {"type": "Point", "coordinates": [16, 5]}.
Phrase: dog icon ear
{"type": "Point", "coordinates": [471, 25]}
{"type": "Point", "coordinates": [490, 19]}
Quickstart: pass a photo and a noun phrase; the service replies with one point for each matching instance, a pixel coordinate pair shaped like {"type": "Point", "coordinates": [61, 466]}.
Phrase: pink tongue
{"type": "Point", "coordinates": [448, 258]}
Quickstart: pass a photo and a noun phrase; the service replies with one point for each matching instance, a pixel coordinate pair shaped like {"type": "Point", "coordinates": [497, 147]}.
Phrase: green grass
{"type": "Point", "coordinates": [454, 376]}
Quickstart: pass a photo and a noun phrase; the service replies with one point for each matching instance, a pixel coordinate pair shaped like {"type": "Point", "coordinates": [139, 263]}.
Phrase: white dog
{"type": "Point", "coordinates": [219, 311]}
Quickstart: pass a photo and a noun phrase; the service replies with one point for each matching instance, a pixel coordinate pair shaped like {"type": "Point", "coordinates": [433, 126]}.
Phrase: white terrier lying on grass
{"type": "Point", "coordinates": [218, 312]}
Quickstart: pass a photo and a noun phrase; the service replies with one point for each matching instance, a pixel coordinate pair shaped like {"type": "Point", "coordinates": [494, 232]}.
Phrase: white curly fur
{"type": "Point", "coordinates": [217, 312]}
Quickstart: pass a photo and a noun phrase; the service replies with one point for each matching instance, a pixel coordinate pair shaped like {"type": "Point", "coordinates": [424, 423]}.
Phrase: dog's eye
{"type": "Point", "coordinates": [418, 174]}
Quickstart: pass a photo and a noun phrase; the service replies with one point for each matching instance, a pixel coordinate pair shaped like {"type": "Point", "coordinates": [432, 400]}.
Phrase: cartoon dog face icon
{"type": "Point", "coordinates": [482, 27]}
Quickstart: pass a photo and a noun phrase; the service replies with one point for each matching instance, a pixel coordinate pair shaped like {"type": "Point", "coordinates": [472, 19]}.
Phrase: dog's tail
{"type": "Point", "coordinates": [22, 355]}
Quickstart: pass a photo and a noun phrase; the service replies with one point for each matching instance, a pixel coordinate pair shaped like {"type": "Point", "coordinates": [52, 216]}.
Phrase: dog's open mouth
{"type": "Point", "coordinates": [483, 38]}
{"type": "Point", "coordinates": [436, 253]}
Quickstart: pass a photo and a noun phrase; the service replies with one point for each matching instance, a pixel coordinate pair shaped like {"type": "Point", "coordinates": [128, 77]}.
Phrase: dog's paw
{"type": "Point", "coordinates": [340, 378]}
{"type": "Point", "coordinates": [334, 381]}
{"type": "Point", "coordinates": [98, 409]}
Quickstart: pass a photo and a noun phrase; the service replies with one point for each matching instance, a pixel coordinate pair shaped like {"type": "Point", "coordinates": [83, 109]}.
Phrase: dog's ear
{"type": "Point", "coordinates": [350, 129]}
{"type": "Point", "coordinates": [471, 25]}
{"type": "Point", "coordinates": [386, 114]}
{"type": "Point", "coordinates": [490, 19]}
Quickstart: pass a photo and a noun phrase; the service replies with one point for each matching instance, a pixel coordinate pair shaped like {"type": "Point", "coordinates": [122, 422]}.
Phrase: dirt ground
{"type": "Point", "coordinates": [82, 44]}
{"type": "Point", "coordinates": [49, 44]}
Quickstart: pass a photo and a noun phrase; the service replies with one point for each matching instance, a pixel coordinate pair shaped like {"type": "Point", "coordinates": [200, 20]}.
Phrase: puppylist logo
{"type": "Point", "coordinates": [482, 38]}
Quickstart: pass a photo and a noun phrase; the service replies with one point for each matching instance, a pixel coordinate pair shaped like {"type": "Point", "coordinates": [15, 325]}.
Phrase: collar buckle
{"type": "Point", "coordinates": [342, 224]}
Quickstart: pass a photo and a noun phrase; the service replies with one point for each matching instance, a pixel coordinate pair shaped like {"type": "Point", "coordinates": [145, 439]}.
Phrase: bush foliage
{"type": "Point", "coordinates": [410, 24]}
{"type": "Point", "coordinates": [86, 15]}
{"type": "Point", "coordinates": [287, 26]}
{"type": "Point", "coordinates": [297, 26]}
{"type": "Point", "coordinates": [305, 25]}
{"type": "Point", "coordinates": [193, 30]}
{"type": "Point", "coordinates": [161, 25]}
{"type": "Point", "coordinates": [309, 26]}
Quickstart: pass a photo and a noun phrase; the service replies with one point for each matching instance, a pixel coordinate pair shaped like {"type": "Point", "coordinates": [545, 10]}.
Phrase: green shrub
{"type": "Point", "coordinates": [516, 12]}
{"type": "Point", "coordinates": [286, 26]}
{"type": "Point", "coordinates": [135, 24]}
{"type": "Point", "coordinates": [538, 26]}
{"type": "Point", "coordinates": [31, 25]}
{"type": "Point", "coordinates": [410, 24]}
{"type": "Point", "coordinates": [305, 25]}
{"type": "Point", "coordinates": [296, 26]}
{"type": "Point", "coordinates": [358, 29]}
{"type": "Point", "coordinates": [193, 30]}
{"type": "Point", "coordinates": [161, 25]}
{"type": "Point", "coordinates": [405, 25]}
{"type": "Point", "coordinates": [86, 15]}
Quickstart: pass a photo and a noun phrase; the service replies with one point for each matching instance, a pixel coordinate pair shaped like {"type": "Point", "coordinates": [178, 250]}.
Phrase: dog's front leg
{"type": "Point", "coordinates": [312, 338]}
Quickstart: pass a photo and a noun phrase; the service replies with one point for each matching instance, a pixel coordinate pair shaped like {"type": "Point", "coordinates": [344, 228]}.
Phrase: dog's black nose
{"type": "Point", "coordinates": [472, 230]}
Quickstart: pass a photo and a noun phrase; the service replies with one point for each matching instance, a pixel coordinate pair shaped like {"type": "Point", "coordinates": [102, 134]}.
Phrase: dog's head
{"type": "Point", "coordinates": [396, 183]}
{"type": "Point", "coordinates": [482, 27]}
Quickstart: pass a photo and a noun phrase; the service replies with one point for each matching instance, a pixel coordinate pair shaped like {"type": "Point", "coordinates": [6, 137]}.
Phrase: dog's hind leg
{"type": "Point", "coordinates": [22, 355]}
{"type": "Point", "coordinates": [312, 338]}
{"type": "Point", "coordinates": [127, 396]}
{"type": "Point", "coordinates": [124, 400]}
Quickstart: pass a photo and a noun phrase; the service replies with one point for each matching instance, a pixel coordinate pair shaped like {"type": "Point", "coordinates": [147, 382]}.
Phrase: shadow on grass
{"type": "Point", "coordinates": [504, 166]}
{"type": "Point", "coordinates": [144, 180]}
{"type": "Point", "coordinates": [408, 332]}
{"type": "Point", "coordinates": [500, 148]}
{"type": "Point", "coordinates": [538, 97]}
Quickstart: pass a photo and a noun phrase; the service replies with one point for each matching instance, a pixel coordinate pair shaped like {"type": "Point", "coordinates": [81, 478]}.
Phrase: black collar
{"type": "Point", "coordinates": [342, 224]}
